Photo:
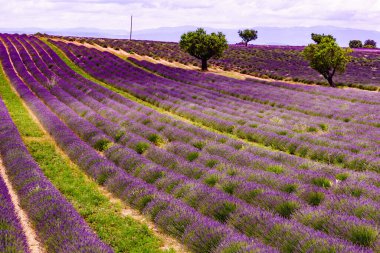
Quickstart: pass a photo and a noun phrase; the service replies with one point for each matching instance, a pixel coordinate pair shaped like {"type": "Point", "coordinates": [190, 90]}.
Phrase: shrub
{"type": "Point", "coordinates": [199, 144]}
{"type": "Point", "coordinates": [229, 186]}
{"type": "Point", "coordinates": [311, 129]}
{"type": "Point", "coordinates": [282, 132]}
{"type": "Point", "coordinates": [141, 147]}
{"type": "Point", "coordinates": [155, 138]}
{"type": "Point", "coordinates": [287, 208]}
{"type": "Point", "coordinates": [363, 235]}
{"type": "Point", "coordinates": [192, 156]}
{"type": "Point", "coordinates": [289, 188]}
{"type": "Point", "coordinates": [342, 176]}
{"type": "Point", "coordinates": [211, 163]}
{"type": "Point", "coordinates": [102, 144]}
{"type": "Point", "coordinates": [324, 127]}
{"type": "Point", "coordinates": [321, 182]}
{"type": "Point", "coordinates": [315, 198]}
{"type": "Point", "coordinates": [277, 169]}
{"type": "Point", "coordinates": [211, 180]}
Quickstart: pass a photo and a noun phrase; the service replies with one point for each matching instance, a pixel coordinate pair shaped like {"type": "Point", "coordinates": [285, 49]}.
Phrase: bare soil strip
{"type": "Point", "coordinates": [168, 241]}
{"type": "Point", "coordinates": [31, 237]}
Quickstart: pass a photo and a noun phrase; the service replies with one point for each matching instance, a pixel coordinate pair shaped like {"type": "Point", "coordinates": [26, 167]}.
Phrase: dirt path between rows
{"type": "Point", "coordinates": [31, 237]}
{"type": "Point", "coordinates": [168, 241]}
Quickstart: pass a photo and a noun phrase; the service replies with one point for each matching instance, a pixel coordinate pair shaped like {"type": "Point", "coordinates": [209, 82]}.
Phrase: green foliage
{"type": "Point", "coordinates": [211, 163]}
{"type": "Point", "coordinates": [155, 138]}
{"type": "Point", "coordinates": [202, 45]}
{"type": "Point", "coordinates": [277, 169]}
{"type": "Point", "coordinates": [102, 144]}
{"type": "Point", "coordinates": [247, 35]}
{"type": "Point", "coordinates": [229, 186]}
{"type": "Point", "coordinates": [289, 188]}
{"type": "Point", "coordinates": [342, 176]}
{"type": "Point", "coordinates": [312, 129]}
{"type": "Point", "coordinates": [141, 147]}
{"type": "Point", "coordinates": [355, 44]}
{"type": "Point", "coordinates": [317, 38]}
{"type": "Point", "coordinates": [315, 198]}
{"type": "Point", "coordinates": [321, 182]}
{"type": "Point", "coordinates": [287, 208]}
{"type": "Point", "coordinates": [327, 57]}
{"type": "Point", "coordinates": [324, 127]}
{"type": "Point", "coordinates": [370, 44]}
{"type": "Point", "coordinates": [192, 156]}
{"type": "Point", "coordinates": [222, 213]}
{"type": "Point", "coordinates": [363, 235]}
{"type": "Point", "coordinates": [211, 180]}
{"type": "Point", "coordinates": [199, 144]}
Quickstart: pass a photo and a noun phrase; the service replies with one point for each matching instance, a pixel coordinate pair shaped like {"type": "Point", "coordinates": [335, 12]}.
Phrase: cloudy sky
{"type": "Point", "coordinates": [115, 14]}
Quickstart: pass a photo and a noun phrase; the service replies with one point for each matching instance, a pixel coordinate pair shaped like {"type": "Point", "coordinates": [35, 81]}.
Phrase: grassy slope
{"type": "Point", "coordinates": [123, 233]}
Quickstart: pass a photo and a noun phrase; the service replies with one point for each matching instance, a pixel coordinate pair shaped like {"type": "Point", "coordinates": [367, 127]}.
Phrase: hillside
{"type": "Point", "coordinates": [275, 62]}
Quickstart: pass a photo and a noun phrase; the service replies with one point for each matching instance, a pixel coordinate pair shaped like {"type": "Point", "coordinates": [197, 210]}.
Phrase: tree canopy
{"type": "Point", "coordinates": [318, 37]}
{"type": "Point", "coordinates": [247, 35]}
{"type": "Point", "coordinates": [203, 46]}
{"type": "Point", "coordinates": [370, 43]}
{"type": "Point", "coordinates": [327, 57]}
{"type": "Point", "coordinates": [355, 44]}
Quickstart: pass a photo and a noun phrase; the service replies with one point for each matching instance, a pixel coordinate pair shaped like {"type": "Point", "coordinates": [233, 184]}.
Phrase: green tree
{"type": "Point", "coordinates": [355, 44]}
{"type": "Point", "coordinates": [370, 43]}
{"type": "Point", "coordinates": [327, 57]}
{"type": "Point", "coordinates": [318, 37]}
{"type": "Point", "coordinates": [247, 35]}
{"type": "Point", "coordinates": [203, 46]}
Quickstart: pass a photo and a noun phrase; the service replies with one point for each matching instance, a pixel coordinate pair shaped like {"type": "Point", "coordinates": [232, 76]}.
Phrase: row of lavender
{"type": "Point", "coordinates": [12, 237]}
{"type": "Point", "coordinates": [147, 175]}
{"type": "Point", "coordinates": [56, 222]}
{"type": "Point", "coordinates": [277, 62]}
{"type": "Point", "coordinates": [356, 145]}
{"type": "Point", "coordinates": [197, 231]}
{"type": "Point", "coordinates": [151, 171]}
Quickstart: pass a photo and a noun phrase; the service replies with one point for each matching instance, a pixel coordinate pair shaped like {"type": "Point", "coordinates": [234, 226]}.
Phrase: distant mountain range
{"type": "Point", "coordinates": [267, 35]}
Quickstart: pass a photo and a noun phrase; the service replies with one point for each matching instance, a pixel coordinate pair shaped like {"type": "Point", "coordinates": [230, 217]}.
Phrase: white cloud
{"type": "Point", "coordinates": [114, 14]}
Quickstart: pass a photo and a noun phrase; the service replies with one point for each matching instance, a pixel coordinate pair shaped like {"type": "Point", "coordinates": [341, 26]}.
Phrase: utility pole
{"type": "Point", "coordinates": [130, 32]}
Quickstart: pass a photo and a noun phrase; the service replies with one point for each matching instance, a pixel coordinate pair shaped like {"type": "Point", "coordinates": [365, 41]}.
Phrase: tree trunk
{"type": "Point", "coordinates": [331, 82]}
{"type": "Point", "coordinates": [204, 64]}
{"type": "Point", "coordinates": [246, 43]}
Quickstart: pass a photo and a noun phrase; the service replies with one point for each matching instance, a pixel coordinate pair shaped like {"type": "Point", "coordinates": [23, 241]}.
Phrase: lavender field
{"type": "Point", "coordinates": [217, 164]}
{"type": "Point", "coordinates": [276, 62]}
